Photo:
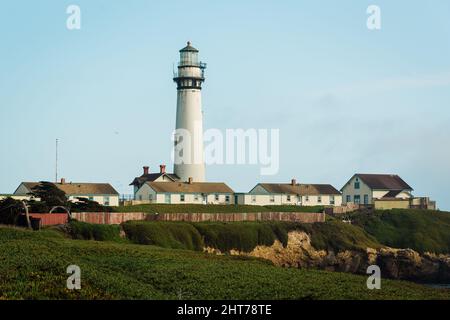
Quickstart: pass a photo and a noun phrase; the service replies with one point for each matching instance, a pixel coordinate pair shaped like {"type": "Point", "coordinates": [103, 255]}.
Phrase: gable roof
{"type": "Point", "coordinates": [78, 188]}
{"type": "Point", "coordinates": [301, 189]}
{"type": "Point", "coordinates": [139, 181]}
{"type": "Point", "coordinates": [185, 187]}
{"type": "Point", "coordinates": [384, 181]}
{"type": "Point", "coordinates": [392, 194]}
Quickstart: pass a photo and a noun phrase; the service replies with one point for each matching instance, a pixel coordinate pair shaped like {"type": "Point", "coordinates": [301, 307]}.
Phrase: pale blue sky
{"type": "Point", "coordinates": [345, 99]}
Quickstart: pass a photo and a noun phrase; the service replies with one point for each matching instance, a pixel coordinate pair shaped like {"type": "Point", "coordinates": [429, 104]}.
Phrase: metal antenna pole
{"type": "Point", "coordinates": [56, 163]}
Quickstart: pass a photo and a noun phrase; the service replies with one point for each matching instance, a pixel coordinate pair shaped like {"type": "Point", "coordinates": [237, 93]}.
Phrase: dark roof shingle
{"type": "Point", "coordinates": [139, 181]}
{"type": "Point", "coordinates": [384, 181]}
{"type": "Point", "coordinates": [77, 188]}
{"type": "Point", "coordinates": [195, 187]}
{"type": "Point", "coordinates": [301, 189]}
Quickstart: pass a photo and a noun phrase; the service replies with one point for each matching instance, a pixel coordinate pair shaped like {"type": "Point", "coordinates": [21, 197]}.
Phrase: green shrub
{"type": "Point", "coordinates": [338, 236]}
{"type": "Point", "coordinates": [245, 236]}
{"type": "Point", "coordinates": [98, 232]}
{"type": "Point", "coordinates": [421, 230]}
{"type": "Point", "coordinates": [10, 210]}
{"type": "Point", "coordinates": [242, 236]}
{"type": "Point", "coordinates": [175, 235]}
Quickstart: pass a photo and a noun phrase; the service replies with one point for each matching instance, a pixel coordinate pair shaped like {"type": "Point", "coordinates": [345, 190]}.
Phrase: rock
{"type": "Point", "coordinates": [394, 263]}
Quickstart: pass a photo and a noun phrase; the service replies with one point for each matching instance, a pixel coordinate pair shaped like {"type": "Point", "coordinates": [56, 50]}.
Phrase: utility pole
{"type": "Point", "coordinates": [56, 163]}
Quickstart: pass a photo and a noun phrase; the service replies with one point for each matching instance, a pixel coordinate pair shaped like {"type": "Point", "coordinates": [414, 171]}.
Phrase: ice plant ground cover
{"type": "Point", "coordinates": [33, 266]}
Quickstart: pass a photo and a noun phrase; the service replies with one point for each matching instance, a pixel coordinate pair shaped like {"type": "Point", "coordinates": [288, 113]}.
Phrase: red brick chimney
{"type": "Point", "coordinates": [294, 182]}
{"type": "Point", "coordinates": [190, 180]}
{"type": "Point", "coordinates": [146, 168]}
{"type": "Point", "coordinates": [162, 168]}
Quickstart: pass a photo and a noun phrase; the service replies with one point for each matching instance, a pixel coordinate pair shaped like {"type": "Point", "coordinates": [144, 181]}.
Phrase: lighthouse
{"type": "Point", "coordinates": [188, 139]}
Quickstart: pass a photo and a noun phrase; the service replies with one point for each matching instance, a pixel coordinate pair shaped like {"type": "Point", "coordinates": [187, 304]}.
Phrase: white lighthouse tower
{"type": "Point", "coordinates": [188, 155]}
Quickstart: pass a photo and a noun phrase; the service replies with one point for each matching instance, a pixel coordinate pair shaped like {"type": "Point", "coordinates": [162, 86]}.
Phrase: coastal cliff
{"type": "Point", "coordinates": [405, 264]}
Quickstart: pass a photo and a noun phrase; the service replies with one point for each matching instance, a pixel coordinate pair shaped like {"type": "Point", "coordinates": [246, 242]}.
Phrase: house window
{"type": "Point", "coordinates": [288, 198]}
{"type": "Point", "coordinates": [196, 197]}
{"type": "Point", "coordinates": [150, 197]}
{"type": "Point", "coordinates": [348, 198]}
{"type": "Point", "coordinates": [91, 198]}
{"type": "Point", "coordinates": [332, 200]}
{"type": "Point", "coordinates": [357, 183]}
{"type": "Point", "coordinates": [319, 199]}
{"type": "Point", "coordinates": [216, 197]}
{"type": "Point", "coordinates": [140, 197]}
{"type": "Point", "coordinates": [227, 198]}
{"type": "Point", "coordinates": [357, 199]}
{"type": "Point", "coordinates": [306, 198]}
{"type": "Point", "coordinates": [182, 197]}
{"type": "Point", "coordinates": [106, 201]}
{"type": "Point", "coordinates": [366, 199]}
{"type": "Point", "coordinates": [253, 198]}
{"type": "Point", "coordinates": [272, 198]}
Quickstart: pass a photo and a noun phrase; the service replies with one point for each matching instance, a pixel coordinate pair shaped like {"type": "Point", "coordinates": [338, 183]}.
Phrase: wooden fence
{"type": "Point", "coordinates": [50, 219]}
{"type": "Point", "coordinates": [120, 217]}
{"type": "Point", "coordinates": [108, 217]}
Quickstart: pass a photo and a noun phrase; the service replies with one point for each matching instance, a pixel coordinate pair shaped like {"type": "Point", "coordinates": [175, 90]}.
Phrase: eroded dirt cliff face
{"type": "Point", "coordinates": [394, 263]}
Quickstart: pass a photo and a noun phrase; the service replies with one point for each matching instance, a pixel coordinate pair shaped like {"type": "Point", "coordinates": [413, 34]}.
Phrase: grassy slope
{"type": "Point", "coordinates": [33, 265]}
{"type": "Point", "coordinates": [420, 230]}
{"type": "Point", "coordinates": [200, 208]}
{"type": "Point", "coordinates": [338, 236]}
{"type": "Point", "coordinates": [245, 236]}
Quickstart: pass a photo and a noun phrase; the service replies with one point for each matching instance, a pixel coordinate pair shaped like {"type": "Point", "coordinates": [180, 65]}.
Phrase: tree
{"type": "Point", "coordinates": [10, 210]}
{"type": "Point", "coordinates": [50, 196]}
